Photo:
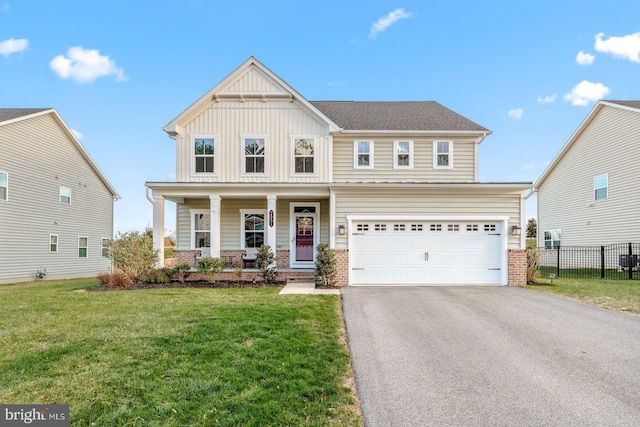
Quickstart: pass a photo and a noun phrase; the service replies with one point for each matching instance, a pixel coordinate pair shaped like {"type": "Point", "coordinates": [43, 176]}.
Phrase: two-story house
{"type": "Point", "coordinates": [56, 206]}
{"type": "Point", "coordinates": [392, 187]}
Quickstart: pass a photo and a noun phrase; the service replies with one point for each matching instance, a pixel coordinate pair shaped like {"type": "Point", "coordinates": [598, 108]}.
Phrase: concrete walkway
{"type": "Point", "coordinates": [308, 288]}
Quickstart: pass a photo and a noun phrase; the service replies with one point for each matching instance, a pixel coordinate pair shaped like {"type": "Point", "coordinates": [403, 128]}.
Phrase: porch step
{"type": "Point", "coordinates": [298, 279]}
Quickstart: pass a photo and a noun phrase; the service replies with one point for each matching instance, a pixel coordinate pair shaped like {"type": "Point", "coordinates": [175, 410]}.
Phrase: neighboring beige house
{"type": "Point", "coordinates": [589, 194]}
{"type": "Point", "coordinates": [56, 206]}
{"type": "Point", "coordinates": [392, 187]}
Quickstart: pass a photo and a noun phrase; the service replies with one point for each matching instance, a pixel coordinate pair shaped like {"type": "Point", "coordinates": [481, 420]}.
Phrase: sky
{"type": "Point", "coordinates": [118, 71]}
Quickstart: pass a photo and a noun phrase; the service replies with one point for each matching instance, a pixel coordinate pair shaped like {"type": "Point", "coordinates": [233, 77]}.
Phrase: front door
{"type": "Point", "coordinates": [304, 232]}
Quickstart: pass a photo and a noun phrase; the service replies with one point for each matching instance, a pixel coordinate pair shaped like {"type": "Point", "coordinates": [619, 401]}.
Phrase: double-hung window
{"type": "Point", "coordinates": [65, 195]}
{"type": "Point", "coordinates": [204, 155]}
{"type": "Point", "coordinates": [552, 239]}
{"type": "Point", "coordinates": [83, 247]}
{"type": "Point", "coordinates": [201, 228]}
{"type": "Point", "coordinates": [53, 243]}
{"type": "Point", "coordinates": [303, 155]}
{"type": "Point", "coordinates": [443, 154]}
{"type": "Point", "coordinates": [106, 244]}
{"type": "Point", "coordinates": [403, 154]}
{"type": "Point", "coordinates": [601, 187]}
{"type": "Point", "coordinates": [363, 154]}
{"type": "Point", "coordinates": [4, 185]}
{"type": "Point", "coordinates": [253, 228]}
{"type": "Point", "coordinates": [254, 155]}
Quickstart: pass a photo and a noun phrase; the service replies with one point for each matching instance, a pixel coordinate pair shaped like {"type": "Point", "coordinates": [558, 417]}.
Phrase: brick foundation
{"type": "Point", "coordinates": [517, 264]}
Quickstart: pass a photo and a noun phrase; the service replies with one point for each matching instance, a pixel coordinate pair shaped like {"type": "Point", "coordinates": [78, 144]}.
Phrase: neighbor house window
{"type": "Point", "coordinates": [303, 155]}
{"type": "Point", "coordinates": [53, 243]}
{"type": "Point", "coordinates": [254, 155]}
{"type": "Point", "coordinates": [83, 247]}
{"type": "Point", "coordinates": [601, 187]}
{"type": "Point", "coordinates": [201, 226]}
{"type": "Point", "coordinates": [442, 154]}
{"type": "Point", "coordinates": [363, 154]}
{"type": "Point", "coordinates": [106, 244]}
{"type": "Point", "coordinates": [252, 228]}
{"type": "Point", "coordinates": [65, 195]}
{"type": "Point", "coordinates": [403, 154]}
{"type": "Point", "coordinates": [4, 185]}
{"type": "Point", "coordinates": [204, 155]}
{"type": "Point", "coordinates": [552, 239]}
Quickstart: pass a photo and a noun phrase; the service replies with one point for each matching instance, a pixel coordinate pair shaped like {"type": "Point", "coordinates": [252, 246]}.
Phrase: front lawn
{"type": "Point", "coordinates": [622, 295]}
{"type": "Point", "coordinates": [176, 357]}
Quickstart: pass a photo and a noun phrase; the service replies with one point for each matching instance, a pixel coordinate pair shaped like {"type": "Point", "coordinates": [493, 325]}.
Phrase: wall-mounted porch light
{"type": "Point", "coordinates": [341, 230]}
{"type": "Point", "coordinates": [515, 230]}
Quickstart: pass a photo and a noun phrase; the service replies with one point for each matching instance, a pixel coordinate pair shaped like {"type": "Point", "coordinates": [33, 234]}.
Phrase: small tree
{"type": "Point", "coordinates": [326, 274]}
{"type": "Point", "coordinates": [208, 266]}
{"type": "Point", "coordinates": [181, 271]}
{"type": "Point", "coordinates": [532, 228]}
{"type": "Point", "coordinates": [133, 254]}
{"type": "Point", "coordinates": [266, 263]}
{"type": "Point", "coordinates": [237, 273]}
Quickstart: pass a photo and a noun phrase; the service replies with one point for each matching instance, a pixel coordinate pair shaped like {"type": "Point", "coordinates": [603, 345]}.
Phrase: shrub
{"type": "Point", "coordinates": [181, 271]}
{"type": "Point", "coordinates": [158, 275]}
{"type": "Point", "coordinates": [326, 274]}
{"type": "Point", "coordinates": [533, 270]}
{"type": "Point", "coordinates": [104, 278]}
{"type": "Point", "coordinates": [208, 266]}
{"type": "Point", "coordinates": [266, 262]}
{"type": "Point", "coordinates": [237, 273]}
{"type": "Point", "coordinates": [115, 280]}
{"type": "Point", "coordinates": [133, 254]}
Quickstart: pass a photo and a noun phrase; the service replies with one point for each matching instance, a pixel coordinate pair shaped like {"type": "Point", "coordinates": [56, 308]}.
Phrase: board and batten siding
{"type": "Point", "coordinates": [383, 171]}
{"type": "Point", "coordinates": [566, 199]}
{"type": "Point", "coordinates": [421, 202]}
{"type": "Point", "coordinates": [39, 158]}
{"type": "Point", "coordinates": [230, 120]}
{"type": "Point", "coordinates": [230, 221]}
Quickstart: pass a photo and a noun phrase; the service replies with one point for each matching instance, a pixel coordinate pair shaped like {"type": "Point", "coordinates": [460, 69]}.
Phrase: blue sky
{"type": "Point", "coordinates": [118, 71]}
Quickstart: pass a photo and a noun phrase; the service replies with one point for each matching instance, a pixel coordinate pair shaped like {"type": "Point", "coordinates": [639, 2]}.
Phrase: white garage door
{"type": "Point", "coordinates": [426, 253]}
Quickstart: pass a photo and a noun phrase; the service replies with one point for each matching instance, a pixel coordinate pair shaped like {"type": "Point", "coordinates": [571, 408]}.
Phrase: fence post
{"type": "Point", "coordinates": [602, 262]}
{"type": "Point", "coordinates": [558, 263]}
{"type": "Point", "coordinates": [630, 263]}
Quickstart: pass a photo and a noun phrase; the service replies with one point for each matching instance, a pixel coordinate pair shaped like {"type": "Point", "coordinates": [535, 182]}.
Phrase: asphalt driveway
{"type": "Point", "coordinates": [491, 356]}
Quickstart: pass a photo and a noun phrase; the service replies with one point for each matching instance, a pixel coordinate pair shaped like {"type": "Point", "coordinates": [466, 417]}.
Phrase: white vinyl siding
{"type": "Point", "coordinates": [33, 212]}
{"type": "Point", "coordinates": [4, 185]}
{"type": "Point", "coordinates": [566, 198]}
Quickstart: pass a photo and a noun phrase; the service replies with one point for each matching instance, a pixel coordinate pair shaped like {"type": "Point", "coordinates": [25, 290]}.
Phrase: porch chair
{"type": "Point", "coordinates": [250, 256]}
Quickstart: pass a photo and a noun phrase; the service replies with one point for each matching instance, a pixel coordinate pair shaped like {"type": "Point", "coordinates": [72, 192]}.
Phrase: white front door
{"type": "Point", "coordinates": [304, 234]}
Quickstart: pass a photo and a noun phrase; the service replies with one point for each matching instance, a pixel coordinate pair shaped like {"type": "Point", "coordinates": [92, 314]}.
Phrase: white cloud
{"type": "Point", "coordinates": [383, 23]}
{"type": "Point", "coordinates": [585, 92]}
{"type": "Point", "coordinates": [85, 65]}
{"type": "Point", "coordinates": [529, 166]}
{"type": "Point", "coordinates": [12, 45]}
{"type": "Point", "coordinates": [516, 113]}
{"type": "Point", "coordinates": [627, 47]}
{"type": "Point", "coordinates": [77, 133]}
{"type": "Point", "coordinates": [550, 99]}
{"type": "Point", "coordinates": [585, 58]}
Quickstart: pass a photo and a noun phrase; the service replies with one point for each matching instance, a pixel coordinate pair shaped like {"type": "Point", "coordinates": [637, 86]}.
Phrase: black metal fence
{"type": "Point", "coordinates": [618, 261]}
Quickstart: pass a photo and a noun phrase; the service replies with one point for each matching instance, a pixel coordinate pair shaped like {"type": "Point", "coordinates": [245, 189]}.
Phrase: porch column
{"type": "Point", "coordinates": [214, 225]}
{"type": "Point", "coordinates": [332, 220]}
{"type": "Point", "coordinates": [158, 228]}
{"type": "Point", "coordinates": [271, 222]}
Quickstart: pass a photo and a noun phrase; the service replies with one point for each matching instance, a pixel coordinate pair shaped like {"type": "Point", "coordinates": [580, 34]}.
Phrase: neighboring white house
{"type": "Point", "coordinates": [56, 206]}
{"type": "Point", "coordinates": [392, 187]}
{"type": "Point", "coordinates": [590, 194]}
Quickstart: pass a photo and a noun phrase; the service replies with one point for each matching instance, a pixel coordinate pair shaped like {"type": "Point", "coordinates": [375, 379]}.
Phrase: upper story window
{"type": "Point", "coordinates": [403, 154]}
{"type": "Point", "coordinates": [254, 155]}
{"type": "Point", "coordinates": [65, 195]}
{"type": "Point", "coordinates": [601, 187]}
{"type": "Point", "coordinates": [303, 156]}
{"type": "Point", "coordinates": [363, 154]}
{"type": "Point", "coordinates": [204, 155]}
{"type": "Point", "coordinates": [443, 154]}
{"type": "Point", "coordinates": [4, 186]}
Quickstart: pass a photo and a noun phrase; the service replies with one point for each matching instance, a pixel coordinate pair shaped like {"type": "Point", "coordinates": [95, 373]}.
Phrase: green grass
{"type": "Point", "coordinates": [176, 357]}
{"type": "Point", "coordinates": [622, 295]}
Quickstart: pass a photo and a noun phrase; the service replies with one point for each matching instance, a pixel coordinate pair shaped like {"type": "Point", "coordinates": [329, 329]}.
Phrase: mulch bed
{"type": "Point", "coordinates": [193, 284]}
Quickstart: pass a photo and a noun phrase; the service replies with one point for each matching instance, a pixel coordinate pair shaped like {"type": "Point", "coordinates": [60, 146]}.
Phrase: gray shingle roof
{"type": "Point", "coordinates": [395, 115]}
{"type": "Point", "coordinates": [14, 113]}
{"type": "Point", "coordinates": [632, 104]}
